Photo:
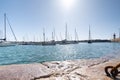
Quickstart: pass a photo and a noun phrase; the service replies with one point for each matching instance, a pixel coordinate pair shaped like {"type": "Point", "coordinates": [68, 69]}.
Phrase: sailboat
{"type": "Point", "coordinates": [65, 41]}
{"type": "Point", "coordinates": [3, 41]}
{"type": "Point", "coordinates": [48, 43]}
{"type": "Point", "coordinates": [76, 38]}
{"type": "Point", "coordinates": [89, 41]}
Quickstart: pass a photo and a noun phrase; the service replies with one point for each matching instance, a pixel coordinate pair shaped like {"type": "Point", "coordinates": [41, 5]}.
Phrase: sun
{"type": "Point", "coordinates": [67, 4]}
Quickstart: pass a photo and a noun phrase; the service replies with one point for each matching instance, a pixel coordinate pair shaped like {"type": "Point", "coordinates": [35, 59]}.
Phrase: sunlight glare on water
{"type": "Point", "coordinates": [31, 54]}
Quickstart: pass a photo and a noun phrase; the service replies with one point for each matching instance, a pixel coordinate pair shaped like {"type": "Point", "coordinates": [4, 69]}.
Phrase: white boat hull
{"type": "Point", "coordinates": [6, 44]}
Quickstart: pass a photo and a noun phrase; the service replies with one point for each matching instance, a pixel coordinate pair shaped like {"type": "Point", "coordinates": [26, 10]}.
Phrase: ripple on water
{"type": "Point", "coordinates": [31, 53]}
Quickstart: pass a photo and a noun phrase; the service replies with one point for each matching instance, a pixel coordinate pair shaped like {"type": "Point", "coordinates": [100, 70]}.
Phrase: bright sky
{"type": "Point", "coordinates": [29, 17]}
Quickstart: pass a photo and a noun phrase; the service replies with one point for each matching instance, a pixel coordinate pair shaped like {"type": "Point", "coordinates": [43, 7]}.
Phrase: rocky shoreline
{"type": "Point", "coordinates": [91, 69]}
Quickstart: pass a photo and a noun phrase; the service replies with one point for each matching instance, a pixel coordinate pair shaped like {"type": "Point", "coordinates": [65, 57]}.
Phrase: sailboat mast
{"type": "Point", "coordinates": [5, 27]}
{"type": "Point", "coordinates": [54, 33]}
{"type": "Point", "coordinates": [52, 36]}
{"type": "Point", "coordinates": [119, 32]}
{"type": "Point", "coordinates": [61, 36]}
{"type": "Point", "coordinates": [75, 35]}
{"type": "Point", "coordinates": [43, 34]}
{"type": "Point", "coordinates": [89, 34]}
{"type": "Point", "coordinates": [66, 32]}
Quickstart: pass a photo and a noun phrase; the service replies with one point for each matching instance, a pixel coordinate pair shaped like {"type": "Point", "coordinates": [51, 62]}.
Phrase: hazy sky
{"type": "Point", "coordinates": [29, 17]}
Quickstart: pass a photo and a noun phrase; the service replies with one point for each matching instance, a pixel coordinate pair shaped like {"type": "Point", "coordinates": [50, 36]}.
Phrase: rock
{"type": "Point", "coordinates": [91, 69]}
{"type": "Point", "coordinates": [23, 72]}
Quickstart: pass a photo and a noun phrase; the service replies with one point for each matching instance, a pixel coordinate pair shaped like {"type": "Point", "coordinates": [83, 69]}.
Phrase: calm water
{"type": "Point", "coordinates": [30, 53]}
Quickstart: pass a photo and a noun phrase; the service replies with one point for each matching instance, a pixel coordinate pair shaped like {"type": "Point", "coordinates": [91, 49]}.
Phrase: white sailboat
{"type": "Point", "coordinates": [3, 41]}
{"type": "Point", "coordinates": [76, 38]}
{"type": "Point", "coordinates": [66, 41]}
{"type": "Point", "coordinates": [48, 43]}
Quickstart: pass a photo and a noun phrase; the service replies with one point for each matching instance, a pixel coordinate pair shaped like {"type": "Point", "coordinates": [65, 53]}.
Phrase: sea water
{"type": "Point", "coordinates": [24, 54]}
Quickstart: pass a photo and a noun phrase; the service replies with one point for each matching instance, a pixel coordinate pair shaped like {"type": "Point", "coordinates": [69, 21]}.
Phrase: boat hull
{"type": "Point", "coordinates": [6, 44]}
